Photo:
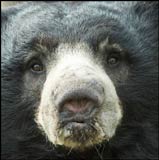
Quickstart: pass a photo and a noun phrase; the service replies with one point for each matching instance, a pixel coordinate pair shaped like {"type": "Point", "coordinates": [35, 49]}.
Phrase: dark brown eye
{"type": "Point", "coordinates": [113, 60]}
{"type": "Point", "coordinates": [37, 67]}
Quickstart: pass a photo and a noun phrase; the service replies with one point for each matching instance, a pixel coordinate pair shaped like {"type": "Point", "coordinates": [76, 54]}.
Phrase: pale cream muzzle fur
{"type": "Point", "coordinates": [74, 68]}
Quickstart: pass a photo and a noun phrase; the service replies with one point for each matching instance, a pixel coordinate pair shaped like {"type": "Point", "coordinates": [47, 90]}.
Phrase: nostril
{"type": "Point", "coordinates": [78, 105]}
{"type": "Point", "coordinates": [79, 100]}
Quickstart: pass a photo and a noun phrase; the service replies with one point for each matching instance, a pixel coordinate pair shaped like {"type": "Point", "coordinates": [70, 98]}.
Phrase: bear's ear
{"type": "Point", "coordinates": [9, 9]}
{"type": "Point", "coordinates": [7, 14]}
{"type": "Point", "coordinates": [5, 4]}
{"type": "Point", "coordinates": [146, 7]}
{"type": "Point", "coordinates": [147, 11]}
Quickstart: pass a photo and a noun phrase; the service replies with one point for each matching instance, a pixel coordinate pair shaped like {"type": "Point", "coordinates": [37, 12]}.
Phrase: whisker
{"type": "Point", "coordinates": [69, 152]}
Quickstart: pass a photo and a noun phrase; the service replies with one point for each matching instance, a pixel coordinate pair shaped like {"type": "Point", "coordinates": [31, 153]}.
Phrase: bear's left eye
{"type": "Point", "coordinates": [113, 60]}
{"type": "Point", "coordinates": [36, 66]}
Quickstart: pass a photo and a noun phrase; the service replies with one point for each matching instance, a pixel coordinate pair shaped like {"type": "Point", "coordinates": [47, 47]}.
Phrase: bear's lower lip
{"type": "Point", "coordinates": [76, 127]}
{"type": "Point", "coordinates": [68, 118]}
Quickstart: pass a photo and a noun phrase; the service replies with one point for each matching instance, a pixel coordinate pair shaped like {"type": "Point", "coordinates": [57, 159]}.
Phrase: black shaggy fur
{"type": "Point", "coordinates": [133, 25]}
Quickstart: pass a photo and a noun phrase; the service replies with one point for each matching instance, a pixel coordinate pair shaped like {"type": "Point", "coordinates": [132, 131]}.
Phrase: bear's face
{"type": "Point", "coordinates": [79, 74]}
{"type": "Point", "coordinates": [73, 81]}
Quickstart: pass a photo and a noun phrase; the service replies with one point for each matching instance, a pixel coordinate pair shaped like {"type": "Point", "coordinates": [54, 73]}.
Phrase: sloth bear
{"type": "Point", "coordinates": [80, 80]}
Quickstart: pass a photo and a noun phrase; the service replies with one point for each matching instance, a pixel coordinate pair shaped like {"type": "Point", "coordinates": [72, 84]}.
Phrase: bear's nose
{"type": "Point", "coordinates": [78, 105]}
{"type": "Point", "coordinates": [78, 101]}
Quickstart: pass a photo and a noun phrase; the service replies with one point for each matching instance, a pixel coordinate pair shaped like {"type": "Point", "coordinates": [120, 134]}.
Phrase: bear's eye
{"type": "Point", "coordinates": [113, 60]}
{"type": "Point", "coordinates": [36, 67]}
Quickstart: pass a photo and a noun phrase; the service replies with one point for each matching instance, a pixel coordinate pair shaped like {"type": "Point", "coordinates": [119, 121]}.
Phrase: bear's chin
{"type": "Point", "coordinates": [79, 136]}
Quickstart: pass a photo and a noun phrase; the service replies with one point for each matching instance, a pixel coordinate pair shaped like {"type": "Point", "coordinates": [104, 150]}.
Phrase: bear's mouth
{"type": "Point", "coordinates": [79, 128]}
{"type": "Point", "coordinates": [78, 118]}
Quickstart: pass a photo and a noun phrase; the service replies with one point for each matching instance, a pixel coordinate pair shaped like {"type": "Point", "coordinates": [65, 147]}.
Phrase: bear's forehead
{"type": "Point", "coordinates": [66, 23]}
